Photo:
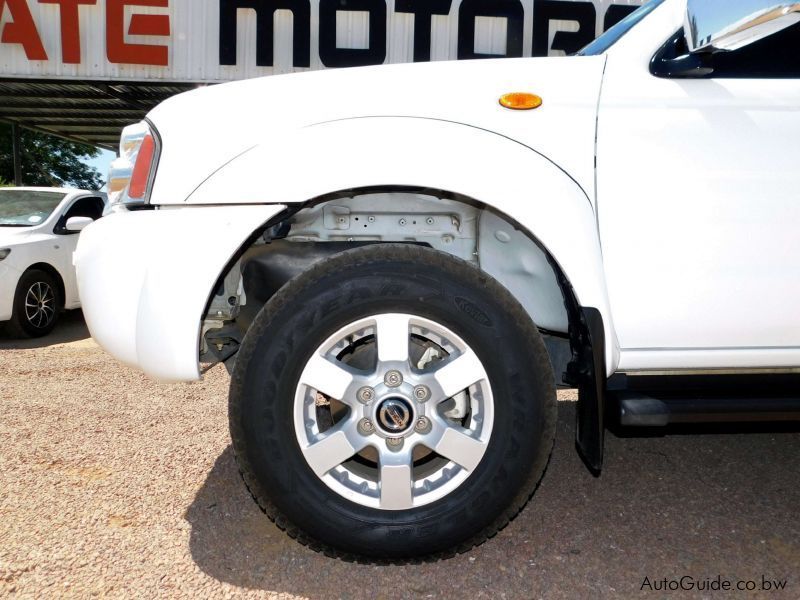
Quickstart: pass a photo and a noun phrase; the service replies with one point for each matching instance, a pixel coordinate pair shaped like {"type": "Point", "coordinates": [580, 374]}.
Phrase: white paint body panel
{"type": "Point", "coordinates": [699, 210]}
{"type": "Point", "coordinates": [274, 111]}
{"type": "Point", "coordinates": [145, 278]}
{"type": "Point", "coordinates": [38, 244]}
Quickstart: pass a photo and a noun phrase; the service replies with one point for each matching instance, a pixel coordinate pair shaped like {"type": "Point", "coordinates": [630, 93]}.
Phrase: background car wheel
{"type": "Point", "coordinates": [37, 304]}
{"type": "Point", "coordinates": [392, 402]}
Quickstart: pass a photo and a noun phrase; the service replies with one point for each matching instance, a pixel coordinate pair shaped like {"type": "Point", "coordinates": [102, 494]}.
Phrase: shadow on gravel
{"type": "Point", "coordinates": [70, 328]}
{"type": "Point", "coordinates": [664, 507]}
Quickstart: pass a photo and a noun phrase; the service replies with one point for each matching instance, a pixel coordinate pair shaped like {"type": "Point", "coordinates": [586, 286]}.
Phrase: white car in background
{"type": "Point", "coordinates": [38, 234]}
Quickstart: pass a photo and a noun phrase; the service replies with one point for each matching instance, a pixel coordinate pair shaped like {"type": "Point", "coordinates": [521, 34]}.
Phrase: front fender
{"type": "Point", "coordinates": [427, 153]}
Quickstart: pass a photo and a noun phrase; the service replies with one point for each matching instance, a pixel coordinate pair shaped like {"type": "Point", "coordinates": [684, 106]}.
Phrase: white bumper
{"type": "Point", "coordinates": [9, 277]}
{"type": "Point", "coordinates": [144, 279]}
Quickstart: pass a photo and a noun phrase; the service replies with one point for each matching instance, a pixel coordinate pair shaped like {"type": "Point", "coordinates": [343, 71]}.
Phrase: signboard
{"type": "Point", "coordinates": [220, 40]}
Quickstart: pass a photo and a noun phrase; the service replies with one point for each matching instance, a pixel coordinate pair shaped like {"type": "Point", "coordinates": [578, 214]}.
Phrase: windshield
{"type": "Point", "coordinates": [613, 35]}
{"type": "Point", "coordinates": [26, 208]}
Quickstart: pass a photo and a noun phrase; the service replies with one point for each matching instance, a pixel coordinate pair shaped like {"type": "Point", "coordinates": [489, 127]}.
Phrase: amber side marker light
{"type": "Point", "coordinates": [520, 101]}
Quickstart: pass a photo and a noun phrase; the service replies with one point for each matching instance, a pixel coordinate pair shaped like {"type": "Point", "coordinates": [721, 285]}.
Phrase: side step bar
{"type": "Point", "coordinates": [645, 411]}
{"type": "Point", "coordinates": [656, 401]}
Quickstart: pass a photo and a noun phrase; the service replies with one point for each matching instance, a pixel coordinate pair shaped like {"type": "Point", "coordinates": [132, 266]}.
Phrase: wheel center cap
{"type": "Point", "coordinates": [394, 415]}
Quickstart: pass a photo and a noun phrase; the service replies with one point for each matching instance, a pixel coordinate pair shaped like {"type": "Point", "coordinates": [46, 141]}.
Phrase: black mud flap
{"type": "Point", "coordinates": [587, 373]}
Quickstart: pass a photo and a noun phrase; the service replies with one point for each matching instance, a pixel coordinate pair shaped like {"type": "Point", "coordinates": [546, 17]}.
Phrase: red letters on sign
{"type": "Point", "coordinates": [70, 28]}
{"type": "Point", "coordinates": [22, 30]}
{"type": "Point", "coordinates": [136, 54]}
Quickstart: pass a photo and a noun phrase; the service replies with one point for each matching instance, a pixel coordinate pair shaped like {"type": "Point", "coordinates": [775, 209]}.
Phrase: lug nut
{"type": "Point", "coordinates": [365, 394]}
{"type": "Point", "coordinates": [422, 393]}
{"type": "Point", "coordinates": [393, 378]}
{"type": "Point", "coordinates": [365, 427]}
{"type": "Point", "coordinates": [394, 443]}
{"type": "Point", "coordinates": [422, 425]}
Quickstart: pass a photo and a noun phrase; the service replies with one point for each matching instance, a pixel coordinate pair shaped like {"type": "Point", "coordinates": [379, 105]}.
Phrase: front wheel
{"type": "Point", "coordinates": [392, 402]}
{"type": "Point", "coordinates": [37, 303]}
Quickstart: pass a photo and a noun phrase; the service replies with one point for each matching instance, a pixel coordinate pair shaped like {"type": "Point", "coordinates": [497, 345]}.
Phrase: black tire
{"type": "Point", "coordinates": [338, 291]}
{"type": "Point", "coordinates": [26, 322]}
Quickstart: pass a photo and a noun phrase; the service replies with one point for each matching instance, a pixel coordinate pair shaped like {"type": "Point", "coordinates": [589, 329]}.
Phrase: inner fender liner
{"type": "Point", "coordinates": [265, 268]}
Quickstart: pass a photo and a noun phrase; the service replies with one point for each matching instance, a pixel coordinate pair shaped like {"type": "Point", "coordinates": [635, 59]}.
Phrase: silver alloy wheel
{"type": "Point", "coordinates": [418, 435]}
{"type": "Point", "coordinates": [40, 305]}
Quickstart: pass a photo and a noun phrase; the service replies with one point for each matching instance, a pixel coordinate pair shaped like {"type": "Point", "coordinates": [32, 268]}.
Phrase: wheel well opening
{"type": "Point", "coordinates": [448, 222]}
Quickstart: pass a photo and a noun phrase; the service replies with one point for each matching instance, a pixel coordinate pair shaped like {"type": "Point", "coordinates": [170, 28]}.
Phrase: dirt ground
{"type": "Point", "coordinates": [113, 485]}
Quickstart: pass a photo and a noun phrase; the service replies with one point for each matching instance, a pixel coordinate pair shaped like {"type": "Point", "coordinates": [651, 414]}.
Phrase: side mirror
{"type": "Point", "coordinates": [76, 224]}
{"type": "Point", "coordinates": [732, 24]}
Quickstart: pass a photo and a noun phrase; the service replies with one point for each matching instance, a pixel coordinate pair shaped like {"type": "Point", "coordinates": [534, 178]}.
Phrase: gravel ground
{"type": "Point", "coordinates": [113, 485]}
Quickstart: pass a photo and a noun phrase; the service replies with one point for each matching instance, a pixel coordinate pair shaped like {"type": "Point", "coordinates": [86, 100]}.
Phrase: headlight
{"type": "Point", "coordinates": [4, 252]}
{"type": "Point", "coordinates": [131, 176]}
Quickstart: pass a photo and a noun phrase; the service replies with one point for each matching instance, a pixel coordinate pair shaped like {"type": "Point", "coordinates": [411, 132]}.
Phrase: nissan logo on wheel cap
{"type": "Point", "coordinates": [394, 415]}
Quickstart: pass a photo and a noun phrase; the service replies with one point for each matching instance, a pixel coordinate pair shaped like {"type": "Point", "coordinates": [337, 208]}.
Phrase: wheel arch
{"type": "Point", "coordinates": [319, 162]}
{"type": "Point", "coordinates": [277, 228]}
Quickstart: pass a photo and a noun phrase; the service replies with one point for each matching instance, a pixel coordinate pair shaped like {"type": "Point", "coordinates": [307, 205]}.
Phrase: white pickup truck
{"type": "Point", "coordinates": [401, 263]}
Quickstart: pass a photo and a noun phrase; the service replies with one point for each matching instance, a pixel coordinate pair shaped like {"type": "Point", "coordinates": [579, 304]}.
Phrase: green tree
{"type": "Point", "coordinates": [48, 160]}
